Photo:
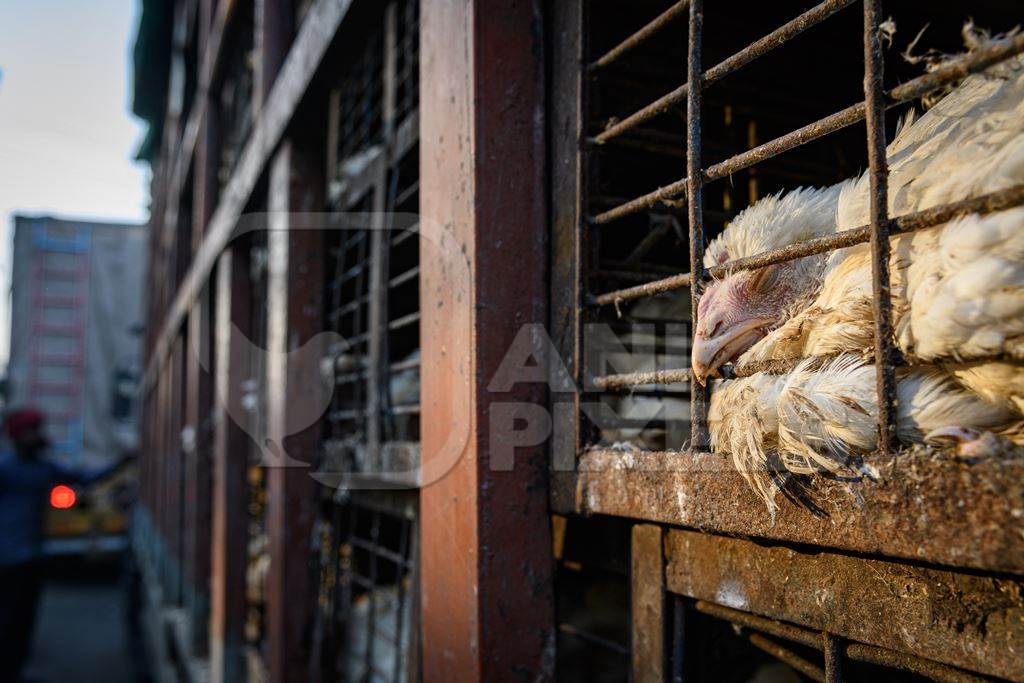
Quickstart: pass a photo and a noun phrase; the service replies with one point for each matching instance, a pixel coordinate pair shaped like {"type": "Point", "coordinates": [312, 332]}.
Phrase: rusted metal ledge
{"type": "Point", "coordinates": [638, 38]}
{"type": "Point", "coordinates": [758, 48]}
{"type": "Point", "coordinates": [972, 63]}
{"type": "Point", "coordinates": [855, 651]}
{"type": "Point", "coordinates": [839, 595]}
{"type": "Point", "coordinates": [315, 36]}
{"type": "Point", "coordinates": [925, 506]}
{"type": "Point", "coordinates": [989, 203]}
{"type": "Point", "coordinates": [812, 671]}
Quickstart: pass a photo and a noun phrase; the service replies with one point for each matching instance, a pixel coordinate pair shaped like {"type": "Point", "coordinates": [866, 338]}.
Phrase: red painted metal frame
{"type": "Point", "coordinates": [230, 450]}
{"type": "Point", "coordinates": [295, 308]}
{"type": "Point", "coordinates": [487, 565]}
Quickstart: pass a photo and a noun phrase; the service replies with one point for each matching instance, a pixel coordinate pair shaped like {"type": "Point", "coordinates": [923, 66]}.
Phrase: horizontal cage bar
{"type": "Point", "coordinates": [856, 651]}
{"type": "Point", "coordinates": [911, 90]}
{"type": "Point", "coordinates": [638, 38]}
{"type": "Point", "coordinates": [920, 220]}
{"type": "Point", "coordinates": [748, 54]}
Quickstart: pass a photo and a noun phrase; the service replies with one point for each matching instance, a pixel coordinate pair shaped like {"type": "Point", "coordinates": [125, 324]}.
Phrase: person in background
{"type": "Point", "coordinates": [26, 479]}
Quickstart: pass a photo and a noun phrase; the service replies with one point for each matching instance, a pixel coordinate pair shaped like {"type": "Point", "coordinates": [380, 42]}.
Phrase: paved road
{"type": "Point", "coordinates": [81, 633]}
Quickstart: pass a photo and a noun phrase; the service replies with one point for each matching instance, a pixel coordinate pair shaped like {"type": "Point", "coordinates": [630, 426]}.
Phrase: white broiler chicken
{"type": "Point", "coordinates": [958, 297]}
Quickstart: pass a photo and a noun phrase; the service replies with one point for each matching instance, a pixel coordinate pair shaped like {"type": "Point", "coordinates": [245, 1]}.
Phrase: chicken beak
{"type": "Point", "coordinates": [710, 354]}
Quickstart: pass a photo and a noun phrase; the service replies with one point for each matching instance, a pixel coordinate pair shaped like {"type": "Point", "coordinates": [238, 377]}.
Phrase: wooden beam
{"type": "Point", "coordinates": [315, 36]}
{"type": "Point", "coordinates": [230, 451]}
{"type": "Point", "coordinates": [295, 316]}
{"type": "Point", "coordinates": [648, 600]}
{"type": "Point", "coordinates": [486, 544]}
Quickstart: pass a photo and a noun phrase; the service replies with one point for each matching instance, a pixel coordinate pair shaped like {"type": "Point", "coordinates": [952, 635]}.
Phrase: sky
{"type": "Point", "coordinates": [67, 135]}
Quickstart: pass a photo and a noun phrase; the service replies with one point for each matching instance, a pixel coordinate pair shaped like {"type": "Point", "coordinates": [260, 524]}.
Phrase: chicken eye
{"type": "Point", "coordinates": [763, 278]}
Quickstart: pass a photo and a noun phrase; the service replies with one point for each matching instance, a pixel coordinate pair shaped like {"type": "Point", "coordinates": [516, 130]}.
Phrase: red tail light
{"type": "Point", "coordinates": [62, 497]}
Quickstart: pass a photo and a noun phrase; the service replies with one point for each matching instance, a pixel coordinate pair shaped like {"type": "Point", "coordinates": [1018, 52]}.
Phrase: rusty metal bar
{"type": "Point", "coordinates": [347, 415]}
{"type": "Point", "coordinates": [757, 49]}
{"type": "Point", "coordinates": [975, 62]}
{"type": "Point", "coordinates": [905, 662]}
{"type": "Point", "coordinates": [920, 220]}
{"type": "Point", "coordinates": [812, 671]}
{"type": "Point", "coordinates": [295, 290]}
{"type": "Point", "coordinates": [352, 306]}
{"type": "Point", "coordinates": [833, 658]}
{"type": "Point", "coordinates": [856, 651]}
{"type": "Point", "coordinates": [402, 278]}
{"type": "Point", "coordinates": [348, 274]}
{"type": "Point", "coordinates": [678, 638]}
{"type": "Point", "coordinates": [407, 409]}
{"type": "Point", "coordinates": [406, 194]}
{"type": "Point", "coordinates": [698, 394]}
{"type": "Point", "coordinates": [972, 63]}
{"type": "Point", "coordinates": [230, 443]}
{"type": "Point", "coordinates": [411, 231]}
{"type": "Point", "coordinates": [572, 253]}
{"type": "Point", "coordinates": [636, 379]}
{"type": "Point", "coordinates": [779, 629]}
{"type": "Point", "coordinates": [881, 300]}
{"type": "Point", "coordinates": [647, 578]}
{"type": "Point", "coordinates": [638, 38]}
{"type": "Point", "coordinates": [405, 365]}
{"type": "Point", "coordinates": [404, 321]}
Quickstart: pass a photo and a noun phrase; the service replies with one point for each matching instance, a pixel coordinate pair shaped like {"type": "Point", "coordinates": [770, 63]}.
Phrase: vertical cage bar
{"type": "Point", "coordinates": [833, 658]}
{"type": "Point", "coordinates": [376, 377]}
{"type": "Point", "coordinates": [695, 208]}
{"type": "Point", "coordinates": [569, 225]}
{"type": "Point", "coordinates": [401, 574]}
{"type": "Point", "coordinates": [372, 593]}
{"type": "Point", "coordinates": [885, 352]}
{"type": "Point", "coordinates": [647, 596]}
{"type": "Point", "coordinates": [678, 638]}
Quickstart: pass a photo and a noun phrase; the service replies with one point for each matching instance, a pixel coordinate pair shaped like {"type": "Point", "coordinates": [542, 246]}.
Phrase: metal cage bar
{"type": "Point", "coordinates": [922, 85]}
{"type": "Point", "coordinates": [758, 48]}
{"type": "Point", "coordinates": [638, 38]}
{"type": "Point", "coordinates": [855, 651]}
{"type": "Point", "coordinates": [699, 395]}
{"type": "Point", "coordinates": [885, 347]}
